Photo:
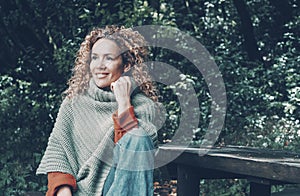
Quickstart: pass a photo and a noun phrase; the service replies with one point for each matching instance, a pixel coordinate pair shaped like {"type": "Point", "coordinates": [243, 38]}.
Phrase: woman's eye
{"type": "Point", "coordinates": [94, 57]}
{"type": "Point", "coordinates": [109, 58]}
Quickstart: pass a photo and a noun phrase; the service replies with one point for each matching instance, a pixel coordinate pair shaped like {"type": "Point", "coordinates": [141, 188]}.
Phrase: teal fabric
{"type": "Point", "coordinates": [81, 142]}
{"type": "Point", "coordinates": [132, 171]}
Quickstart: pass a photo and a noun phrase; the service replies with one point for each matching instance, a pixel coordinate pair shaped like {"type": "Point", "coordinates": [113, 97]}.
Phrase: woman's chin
{"type": "Point", "coordinates": [103, 86]}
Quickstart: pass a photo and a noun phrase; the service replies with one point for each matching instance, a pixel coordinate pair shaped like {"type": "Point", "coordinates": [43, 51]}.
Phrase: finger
{"type": "Point", "coordinates": [117, 85]}
{"type": "Point", "coordinates": [122, 81]}
{"type": "Point", "coordinates": [127, 79]}
{"type": "Point", "coordinates": [128, 82]}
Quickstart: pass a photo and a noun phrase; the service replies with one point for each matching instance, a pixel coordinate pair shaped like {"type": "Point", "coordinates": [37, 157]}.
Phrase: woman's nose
{"type": "Point", "coordinates": [101, 64]}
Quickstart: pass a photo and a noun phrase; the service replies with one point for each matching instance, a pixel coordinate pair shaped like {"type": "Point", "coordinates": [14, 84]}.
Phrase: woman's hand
{"type": "Point", "coordinates": [64, 191]}
{"type": "Point", "coordinates": [121, 89]}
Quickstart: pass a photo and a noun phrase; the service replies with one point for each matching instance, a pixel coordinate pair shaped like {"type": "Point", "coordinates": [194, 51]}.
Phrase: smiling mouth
{"type": "Point", "coordinates": [101, 75]}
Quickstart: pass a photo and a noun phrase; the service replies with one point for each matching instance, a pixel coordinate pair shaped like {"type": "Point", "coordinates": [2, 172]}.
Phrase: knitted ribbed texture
{"type": "Point", "coordinates": [81, 142]}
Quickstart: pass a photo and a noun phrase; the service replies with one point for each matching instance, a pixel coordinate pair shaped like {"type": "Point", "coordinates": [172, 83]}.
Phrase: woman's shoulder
{"type": "Point", "coordinates": [65, 106]}
{"type": "Point", "coordinates": [142, 102]}
{"type": "Point", "coordinates": [141, 98]}
{"type": "Point", "coordinates": [66, 102]}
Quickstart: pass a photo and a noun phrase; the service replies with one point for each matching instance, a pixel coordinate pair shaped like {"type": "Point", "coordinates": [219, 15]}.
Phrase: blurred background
{"type": "Point", "coordinates": [255, 44]}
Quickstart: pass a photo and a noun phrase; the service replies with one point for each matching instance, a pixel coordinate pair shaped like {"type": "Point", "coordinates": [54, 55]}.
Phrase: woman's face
{"type": "Point", "coordinates": [106, 63]}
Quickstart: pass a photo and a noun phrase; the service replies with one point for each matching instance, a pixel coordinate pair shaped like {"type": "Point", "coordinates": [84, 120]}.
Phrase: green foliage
{"type": "Point", "coordinates": [39, 40]}
{"type": "Point", "coordinates": [26, 122]}
{"type": "Point", "coordinates": [224, 187]}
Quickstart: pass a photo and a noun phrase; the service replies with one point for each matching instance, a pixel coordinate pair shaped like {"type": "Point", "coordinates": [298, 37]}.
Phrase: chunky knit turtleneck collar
{"type": "Point", "coordinates": [107, 95]}
{"type": "Point", "coordinates": [99, 94]}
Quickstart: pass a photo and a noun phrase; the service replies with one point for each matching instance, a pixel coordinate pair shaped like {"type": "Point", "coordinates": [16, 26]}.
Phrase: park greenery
{"type": "Point", "coordinates": [255, 44]}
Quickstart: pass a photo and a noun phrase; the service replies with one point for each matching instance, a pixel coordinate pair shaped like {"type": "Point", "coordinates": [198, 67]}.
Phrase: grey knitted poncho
{"type": "Point", "coordinates": [81, 142]}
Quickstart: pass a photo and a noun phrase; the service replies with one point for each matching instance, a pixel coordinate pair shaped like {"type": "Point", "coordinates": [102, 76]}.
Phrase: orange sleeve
{"type": "Point", "coordinates": [58, 179]}
{"type": "Point", "coordinates": [124, 123]}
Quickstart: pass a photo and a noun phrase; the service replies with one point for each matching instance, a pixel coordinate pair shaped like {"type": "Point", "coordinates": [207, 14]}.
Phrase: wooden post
{"type": "Point", "coordinates": [260, 189]}
{"type": "Point", "coordinates": [188, 181]}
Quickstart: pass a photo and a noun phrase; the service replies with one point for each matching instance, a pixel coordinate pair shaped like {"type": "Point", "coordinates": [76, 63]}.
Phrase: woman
{"type": "Point", "coordinates": [103, 140]}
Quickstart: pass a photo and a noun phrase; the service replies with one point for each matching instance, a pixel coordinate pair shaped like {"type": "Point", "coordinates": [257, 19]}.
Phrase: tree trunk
{"type": "Point", "coordinates": [247, 31]}
{"type": "Point", "coordinates": [181, 15]}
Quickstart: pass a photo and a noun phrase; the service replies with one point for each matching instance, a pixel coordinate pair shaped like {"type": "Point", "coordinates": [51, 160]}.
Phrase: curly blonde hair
{"type": "Point", "coordinates": [135, 53]}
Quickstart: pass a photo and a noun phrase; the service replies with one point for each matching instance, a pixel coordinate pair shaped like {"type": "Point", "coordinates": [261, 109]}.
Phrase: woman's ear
{"type": "Point", "coordinates": [127, 67]}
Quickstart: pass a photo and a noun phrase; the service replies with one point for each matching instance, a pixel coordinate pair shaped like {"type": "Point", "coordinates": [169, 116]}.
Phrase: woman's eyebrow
{"type": "Point", "coordinates": [107, 54]}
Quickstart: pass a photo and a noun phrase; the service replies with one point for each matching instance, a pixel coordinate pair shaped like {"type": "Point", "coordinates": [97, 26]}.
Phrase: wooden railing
{"type": "Point", "coordinates": [263, 168]}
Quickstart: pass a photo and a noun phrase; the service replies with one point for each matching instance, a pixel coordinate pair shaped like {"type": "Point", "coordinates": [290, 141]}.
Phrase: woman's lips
{"type": "Point", "coordinates": [101, 75]}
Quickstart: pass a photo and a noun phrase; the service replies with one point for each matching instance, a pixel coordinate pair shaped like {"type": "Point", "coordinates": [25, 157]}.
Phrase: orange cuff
{"type": "Point", "coordinates": [58, 179]}
{"type": "Point", "coordinates": [124, 123]}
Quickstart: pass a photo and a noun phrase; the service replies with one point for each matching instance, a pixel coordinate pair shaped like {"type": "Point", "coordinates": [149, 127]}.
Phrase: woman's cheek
{"type": "Point", "coordinates": [92, 65]}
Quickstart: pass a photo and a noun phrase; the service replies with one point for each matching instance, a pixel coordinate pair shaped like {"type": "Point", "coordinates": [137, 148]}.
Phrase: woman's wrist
{"type": "Point", "coordinates": [123, 106]}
